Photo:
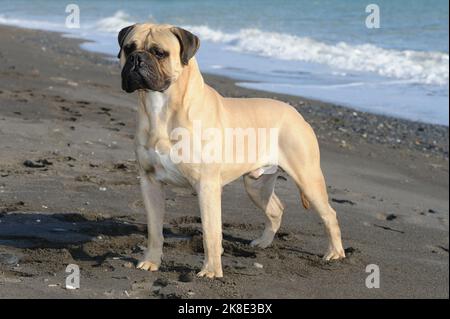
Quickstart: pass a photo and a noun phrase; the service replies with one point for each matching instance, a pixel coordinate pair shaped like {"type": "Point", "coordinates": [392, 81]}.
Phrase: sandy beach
{"type": "Point", "coordinates": [69, 194]}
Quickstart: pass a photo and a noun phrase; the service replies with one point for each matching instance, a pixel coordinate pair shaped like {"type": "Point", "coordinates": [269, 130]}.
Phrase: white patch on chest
{"type": "Point", "coordinates": [156, 102]}
{"type": "Point", "coordinates": [165, 170]}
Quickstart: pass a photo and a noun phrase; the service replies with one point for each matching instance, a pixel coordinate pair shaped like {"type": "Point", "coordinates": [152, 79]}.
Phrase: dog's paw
{"type": "Point", "coordinates": [147, 265]}
{"type": "Point", "coordinates": [210, 274]}
{"type": "Point", "coordinates": [262, 242]}
{"type": "Point", "coordinates": [334, 254]}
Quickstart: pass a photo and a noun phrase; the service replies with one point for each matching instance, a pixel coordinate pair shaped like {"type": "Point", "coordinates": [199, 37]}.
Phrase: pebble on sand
{"type": "Point", "coordinates": [258, 265]}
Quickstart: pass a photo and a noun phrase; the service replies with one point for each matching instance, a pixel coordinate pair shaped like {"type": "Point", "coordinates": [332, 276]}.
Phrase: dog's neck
{"type": "Point", "coordinates": [178, 98]}
{"type": "Point", "coordinates": [160, 111]}
{"type": "Point", "coordinates": [185, 91]}
{"type": "Point", "coordinates": [180, 93]}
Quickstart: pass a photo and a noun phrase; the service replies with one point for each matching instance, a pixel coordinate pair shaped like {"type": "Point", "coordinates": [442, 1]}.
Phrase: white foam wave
{"type": "Point", "coordinates": [416, 66]}
{"type": "Point", "coordinates": [114, 23]}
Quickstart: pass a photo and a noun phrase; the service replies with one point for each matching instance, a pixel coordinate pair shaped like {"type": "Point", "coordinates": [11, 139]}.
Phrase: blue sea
{"type": "Point", "coordinates": [317, 49]}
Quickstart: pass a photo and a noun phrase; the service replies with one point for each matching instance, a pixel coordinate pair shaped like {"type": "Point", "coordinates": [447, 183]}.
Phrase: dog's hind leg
{"type": "Point", "coordinates": [300, 158]}
{"type": "Point", "coordinates": [261, 192]}
{"type": "Point", "coordinates": [310, 180]}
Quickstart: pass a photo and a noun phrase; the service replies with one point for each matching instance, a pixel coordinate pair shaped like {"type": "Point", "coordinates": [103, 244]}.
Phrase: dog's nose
{"type": "Point", "coordinates": [136, 59]}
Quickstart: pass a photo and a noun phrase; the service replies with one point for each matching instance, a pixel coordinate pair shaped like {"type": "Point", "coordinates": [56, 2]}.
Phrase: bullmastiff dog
{"type": "Point", "coordinates": [158, 63]}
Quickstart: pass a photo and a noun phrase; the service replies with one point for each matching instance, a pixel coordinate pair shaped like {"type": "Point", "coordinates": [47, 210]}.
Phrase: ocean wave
{"type": "Point", "coordinates": [415, 66]}
{"type": "Point", "coordinates": [114, 23]}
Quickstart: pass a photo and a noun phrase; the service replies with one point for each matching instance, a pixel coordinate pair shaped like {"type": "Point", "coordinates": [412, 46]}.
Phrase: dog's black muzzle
{"type": "Point", "coordinates": [141, 72]}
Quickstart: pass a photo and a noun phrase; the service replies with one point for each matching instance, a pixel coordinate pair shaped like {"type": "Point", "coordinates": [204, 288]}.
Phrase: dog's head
{"type": "Point", "coordinates": [153, 56]}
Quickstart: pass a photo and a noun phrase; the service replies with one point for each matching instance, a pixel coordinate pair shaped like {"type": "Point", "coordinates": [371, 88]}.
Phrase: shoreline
{"type": "Point", "coordinates": [62, 108]}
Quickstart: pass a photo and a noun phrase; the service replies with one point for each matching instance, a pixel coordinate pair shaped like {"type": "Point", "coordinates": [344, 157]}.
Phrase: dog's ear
{"type": "Point", "coordinates": [189, 44]}
{"type": "Point", "coordinates": [122, 35]}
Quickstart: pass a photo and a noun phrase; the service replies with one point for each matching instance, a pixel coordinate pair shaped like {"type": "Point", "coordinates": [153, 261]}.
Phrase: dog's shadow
{"type": "Point", "coordinates": [73, 231]}
{"type": "Point", "coordinates": [63, 231]}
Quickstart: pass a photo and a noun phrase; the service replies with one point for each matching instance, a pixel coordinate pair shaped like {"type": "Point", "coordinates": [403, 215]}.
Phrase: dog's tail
{"type": "Point", "coordinates": [305, 201]}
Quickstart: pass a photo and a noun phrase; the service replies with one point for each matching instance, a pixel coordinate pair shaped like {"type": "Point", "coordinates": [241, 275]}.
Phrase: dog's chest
{"type": "Point", "coordinates": [164, 169]}
{"type": "Point", "coordinates": [153, 148]}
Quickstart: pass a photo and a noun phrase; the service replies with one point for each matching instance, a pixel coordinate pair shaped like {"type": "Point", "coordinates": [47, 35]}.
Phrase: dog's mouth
{"type": "Point", "coordinates": [142, 80]}
{"type": "Point", "coordinates": [133, 81]}
{"type": "Point", "coordinates": [141, 73]}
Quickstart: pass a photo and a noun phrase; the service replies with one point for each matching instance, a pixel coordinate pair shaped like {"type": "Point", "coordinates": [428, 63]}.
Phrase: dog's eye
{"type": "Point", "coordinates": [158, 53]}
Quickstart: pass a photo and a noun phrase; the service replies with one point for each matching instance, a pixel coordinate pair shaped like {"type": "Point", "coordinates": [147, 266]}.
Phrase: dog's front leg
{"type": "Point", "coordinates": [154, 202]}
{"type": "Point", "coordinates": [209, 194]}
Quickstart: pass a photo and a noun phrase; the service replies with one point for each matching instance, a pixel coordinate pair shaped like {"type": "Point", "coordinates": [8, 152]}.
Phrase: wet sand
{"type": "Point", "coordinates": [69, 195]}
